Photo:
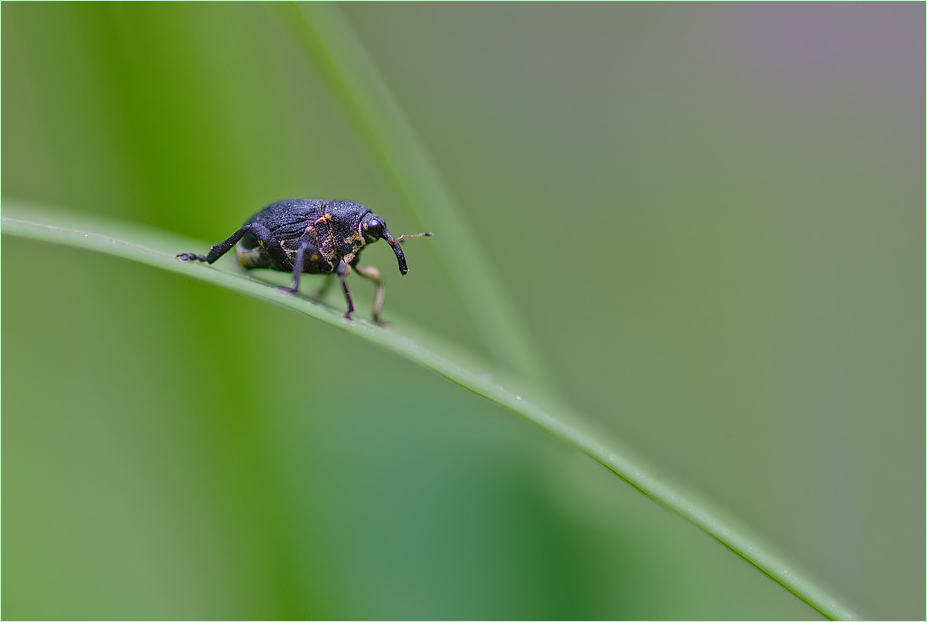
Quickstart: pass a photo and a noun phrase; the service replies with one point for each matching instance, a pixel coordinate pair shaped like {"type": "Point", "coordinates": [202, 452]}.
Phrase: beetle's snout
{"type": "Point", "coordinates": [394, 243]}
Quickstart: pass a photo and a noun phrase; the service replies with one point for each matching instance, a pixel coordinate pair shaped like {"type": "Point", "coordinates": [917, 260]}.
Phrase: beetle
{"type": "Point", "coordinates": [311, 235]}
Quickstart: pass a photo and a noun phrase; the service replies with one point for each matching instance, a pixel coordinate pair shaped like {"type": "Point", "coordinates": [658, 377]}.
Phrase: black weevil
{"type": "Point", "coordinates": [314, 236]}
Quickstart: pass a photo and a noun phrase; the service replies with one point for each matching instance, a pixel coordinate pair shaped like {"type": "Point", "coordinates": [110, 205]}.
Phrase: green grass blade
{"type": "Point", "coordinates": [332, 46]}
{"type": "Point", "coordinates": [158, 248]}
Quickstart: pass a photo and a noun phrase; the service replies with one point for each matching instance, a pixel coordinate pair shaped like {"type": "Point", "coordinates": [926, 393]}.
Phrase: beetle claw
{"type": "Point", "coordinates": [190, 257]}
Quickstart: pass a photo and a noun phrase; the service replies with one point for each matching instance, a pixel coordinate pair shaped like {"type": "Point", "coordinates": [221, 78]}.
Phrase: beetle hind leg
{"type": "Point", "coordinates": [262, 233]}
{"type": "Point", "coordinates": [217, 250]}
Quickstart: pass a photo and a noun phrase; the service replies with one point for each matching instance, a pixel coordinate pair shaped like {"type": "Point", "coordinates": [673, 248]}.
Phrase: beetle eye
{"type": "Point", "coordinates": [374, 228]}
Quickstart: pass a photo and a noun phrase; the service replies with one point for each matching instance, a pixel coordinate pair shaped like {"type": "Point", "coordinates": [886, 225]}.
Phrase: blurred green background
{"type": "Point", "coordinates": [709, 217]}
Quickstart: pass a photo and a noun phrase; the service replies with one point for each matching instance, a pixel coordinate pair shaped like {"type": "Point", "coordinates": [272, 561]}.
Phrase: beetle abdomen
{"type": "Point", "coordinates": [254, 257]}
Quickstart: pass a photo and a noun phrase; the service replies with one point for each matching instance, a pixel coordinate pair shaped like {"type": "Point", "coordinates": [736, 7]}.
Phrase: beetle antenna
{"type": "Point", "coordinates": [402, 237]}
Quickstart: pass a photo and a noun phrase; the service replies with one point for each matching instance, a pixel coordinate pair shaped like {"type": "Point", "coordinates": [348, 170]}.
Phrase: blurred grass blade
{"type": "Point", "coordinates": [333, 47]}
{"type": "Point", "coordinates": [158, 248]}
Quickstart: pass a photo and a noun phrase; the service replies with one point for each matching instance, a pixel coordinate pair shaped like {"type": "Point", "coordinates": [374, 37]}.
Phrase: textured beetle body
{"type": "Point", "coordinates": [329, 231]}
{"type": "Point", "coordinates": [310, 235]}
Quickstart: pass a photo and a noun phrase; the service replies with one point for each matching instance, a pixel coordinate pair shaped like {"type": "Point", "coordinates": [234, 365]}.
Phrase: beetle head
{"type": "Point", "coordinates": [373, 228]}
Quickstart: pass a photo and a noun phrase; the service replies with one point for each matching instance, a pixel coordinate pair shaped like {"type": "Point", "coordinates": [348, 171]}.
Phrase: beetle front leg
{"type": "Point", "coordinates": [373, 274]}
{"type": "Point", "coordinates": [341, 271]}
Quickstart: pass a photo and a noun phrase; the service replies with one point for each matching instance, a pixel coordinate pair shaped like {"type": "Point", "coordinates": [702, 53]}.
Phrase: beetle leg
{"type": "Point", "coordinates": [373, 274]}
{"type": "Point", "coordinates": [270, 244]}
{"type": "Point", "coordinates": [217, 250]}
{"type": "Point", "coordinates": [262, 233]}
{"type": "Point", "coordinates": [298, 265]}
{"type": "Point", "coordinates": [341, 271]}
